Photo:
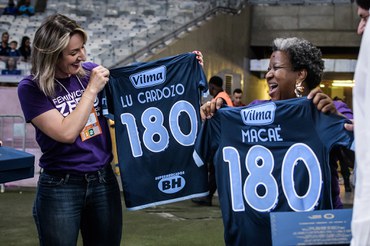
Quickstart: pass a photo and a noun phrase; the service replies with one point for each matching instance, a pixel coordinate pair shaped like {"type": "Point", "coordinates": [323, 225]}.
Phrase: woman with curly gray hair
{"type": "Point", "coordinates": [295, 68]}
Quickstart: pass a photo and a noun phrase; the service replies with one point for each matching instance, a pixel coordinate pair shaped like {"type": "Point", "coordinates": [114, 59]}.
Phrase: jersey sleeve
{"type": "Point", "coordinates": [202, 80]}
{"type": "Point", "coordinates": [330, 128]}
{"type": "Point", "coordinates": [107, 101]}
{"type": "Point", "coordinates": [207, 140]}
{"type": "Point", "coordinates": [194, 68]}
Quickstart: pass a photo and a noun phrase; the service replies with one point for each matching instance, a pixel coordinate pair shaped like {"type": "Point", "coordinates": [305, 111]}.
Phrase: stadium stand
{"type": "Point", "coordinates": [135, 27]}
{"type": "Point", "coordinates": [114, 26]}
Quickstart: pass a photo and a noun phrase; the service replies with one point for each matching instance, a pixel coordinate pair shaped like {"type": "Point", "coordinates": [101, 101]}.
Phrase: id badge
{"type": "Point", "coordinates": [92, 127]}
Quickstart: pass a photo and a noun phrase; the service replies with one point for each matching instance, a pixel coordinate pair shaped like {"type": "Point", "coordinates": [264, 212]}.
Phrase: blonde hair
{"type": "Point", "coordinates": [50, 39]}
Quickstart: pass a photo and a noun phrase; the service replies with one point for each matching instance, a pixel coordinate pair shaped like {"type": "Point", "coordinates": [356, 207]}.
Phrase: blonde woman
{"type": "Point", "coordinates": [77, 189]}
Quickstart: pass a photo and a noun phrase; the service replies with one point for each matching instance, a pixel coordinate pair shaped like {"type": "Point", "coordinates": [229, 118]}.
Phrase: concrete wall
{"type": "Point", "coordinates": [323, 25]}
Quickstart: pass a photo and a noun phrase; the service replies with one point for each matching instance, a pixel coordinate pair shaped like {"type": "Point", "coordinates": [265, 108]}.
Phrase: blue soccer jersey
{"type": "Point", "coordinates": [269, 157]}
{"type": "Point", "coordinates": [156, 113]}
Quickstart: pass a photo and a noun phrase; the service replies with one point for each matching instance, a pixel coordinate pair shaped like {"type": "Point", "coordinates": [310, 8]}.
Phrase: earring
{"type": "Point", "coordinates": [299, 88]}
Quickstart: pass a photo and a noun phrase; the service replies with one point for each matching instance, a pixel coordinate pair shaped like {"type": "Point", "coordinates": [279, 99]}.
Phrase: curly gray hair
{"type": "Point", "coordinates": [302, 55]}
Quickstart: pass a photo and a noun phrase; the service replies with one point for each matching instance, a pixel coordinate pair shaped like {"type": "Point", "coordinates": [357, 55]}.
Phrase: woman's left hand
{"type": "Point", "coordinates": [199, 57]}
{"type": "Point", "coordinates": [325, 104]}
{"type": "Point", "coordinates": [322, 101]}
{"type": "Point", "coordinates": [208, 109]}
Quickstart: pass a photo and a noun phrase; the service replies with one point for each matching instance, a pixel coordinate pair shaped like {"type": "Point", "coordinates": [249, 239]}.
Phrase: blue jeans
{"type": "Point", "coordinates": [66, 203]}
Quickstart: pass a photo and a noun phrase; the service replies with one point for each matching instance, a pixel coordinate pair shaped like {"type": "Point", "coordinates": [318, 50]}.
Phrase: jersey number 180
{"type": "Point", "coordinates": [259, 163]}
{"type": "Point", "coordinates": [155, 136]}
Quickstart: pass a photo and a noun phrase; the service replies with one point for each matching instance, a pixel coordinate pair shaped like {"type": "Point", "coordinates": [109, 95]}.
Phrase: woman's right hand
{"type": "Point", "coordinates": [98, 79]}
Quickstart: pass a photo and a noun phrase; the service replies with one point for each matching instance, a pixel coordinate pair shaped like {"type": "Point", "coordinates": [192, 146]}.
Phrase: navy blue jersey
{"type": "Point", "coordinates": [269, 157]}
{"type": "Point", "coordinates": [156, 113]}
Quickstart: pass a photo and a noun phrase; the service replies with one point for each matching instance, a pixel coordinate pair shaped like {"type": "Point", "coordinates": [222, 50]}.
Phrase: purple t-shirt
{"type": "Point", "coordinates": [81, 156]}
{"type": "Point", "coordinates": [343, 108]}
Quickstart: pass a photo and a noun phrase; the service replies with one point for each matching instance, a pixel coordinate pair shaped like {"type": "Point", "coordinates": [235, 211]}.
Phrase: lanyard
{"type": "Point", "coordinates": [69, 94]}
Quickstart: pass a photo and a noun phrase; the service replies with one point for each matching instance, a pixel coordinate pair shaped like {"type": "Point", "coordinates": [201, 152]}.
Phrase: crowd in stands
{"type": "Point", "coordinates": [22, 7]}
{"type": "Point", "coordinates": [130, 25]}
{"type": "Point", "coordinates": [11, 56]}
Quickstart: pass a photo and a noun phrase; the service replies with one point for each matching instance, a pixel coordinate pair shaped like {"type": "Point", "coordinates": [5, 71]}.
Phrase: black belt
{"type": "Point", "coordinates": [63, 173]}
